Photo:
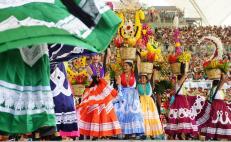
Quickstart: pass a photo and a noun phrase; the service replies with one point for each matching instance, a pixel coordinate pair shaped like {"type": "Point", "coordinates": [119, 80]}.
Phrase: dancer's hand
{"type": "Point", "coordinates": [224, 77]}
{"type": "Point", "coordinates": [118, 80]}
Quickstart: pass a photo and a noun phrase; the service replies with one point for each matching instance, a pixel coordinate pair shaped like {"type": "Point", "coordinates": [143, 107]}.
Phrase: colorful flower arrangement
{"type": "Point", "coordinates": [152, 53]}
{"type": "Point", "coordinates": [223, 65]}
{"type": "Point", "coordinates": [180, 58]}
{"type": "Point", "coordinates": [149, 48]}
{"type": "Point", "coordinates": [129, 33]}
{"type": "Point", "coordinates": [115, 69]}
{"type": "Point", "coordinates": [77, 77]}
{"type": "Point", "coordinates": [76, 72]}
{"type": "Point", "coordinates": [147, 33]}
{"type": "Point", "coordinates": [176, 37]}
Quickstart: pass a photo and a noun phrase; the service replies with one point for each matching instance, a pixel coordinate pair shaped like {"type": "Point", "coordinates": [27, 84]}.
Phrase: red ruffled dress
{"type": "Point", "coordinates": [96, 113]}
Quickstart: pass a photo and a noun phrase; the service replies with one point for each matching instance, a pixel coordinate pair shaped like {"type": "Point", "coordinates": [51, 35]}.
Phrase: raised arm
{"type": "Point", "coordinates": [224, 78]}
{"type": "Point", "coordinates": [183, 78]}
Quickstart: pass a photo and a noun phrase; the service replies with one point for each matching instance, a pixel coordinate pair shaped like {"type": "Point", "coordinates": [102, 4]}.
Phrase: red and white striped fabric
{"type": "Point", "coordinates": [97, 116]}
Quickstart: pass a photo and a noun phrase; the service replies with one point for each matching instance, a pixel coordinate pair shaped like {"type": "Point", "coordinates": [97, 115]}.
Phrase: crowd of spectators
{"type": "Point", "coordinates": [190, 36]}
{"type": "Point", "coordinates": [190, 40]}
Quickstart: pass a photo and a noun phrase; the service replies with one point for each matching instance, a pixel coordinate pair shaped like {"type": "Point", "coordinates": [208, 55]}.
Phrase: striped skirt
{"type": "Point", "coordinates": [152, 122]}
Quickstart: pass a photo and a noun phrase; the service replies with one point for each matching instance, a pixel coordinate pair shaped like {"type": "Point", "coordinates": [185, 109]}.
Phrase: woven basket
{"type": "Point", "coordinates": [128, 53]}
{"type": "Point", "coordinates": [175, 68]}
{"type": "Point", "coordinates": [213, 74]}
{"type": "Point", "coordinates": [78, 89]}
{"type": "Point", "coordinates": [146, 67]}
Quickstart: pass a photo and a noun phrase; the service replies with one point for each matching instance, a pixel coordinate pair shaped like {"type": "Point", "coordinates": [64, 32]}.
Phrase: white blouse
{"type": "Point", "coordinates": [182, 90]}
{"type": "Point", "coordinates": [220, 95]}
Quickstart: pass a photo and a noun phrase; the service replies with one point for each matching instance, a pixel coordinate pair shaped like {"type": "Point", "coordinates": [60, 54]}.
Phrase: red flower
{"type": "Point", "coordinates": [80, 79]}
{"type": "Point", "coordinates": [221, 61]}
{"type": "Point", "coordinates": [118, 41]}
{"type": "Point", "coordinates": [151, 57]}
{"type": "Point", "coordinates": [206, 64]}
{"type": "Point", "coordinates": [172, 59]}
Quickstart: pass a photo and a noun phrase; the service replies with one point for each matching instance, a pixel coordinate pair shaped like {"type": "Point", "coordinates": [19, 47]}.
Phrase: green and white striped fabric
{"type": "Point", "coordinates": [26, 100]}
{"type": "Point", "coordinates": [30, 22]}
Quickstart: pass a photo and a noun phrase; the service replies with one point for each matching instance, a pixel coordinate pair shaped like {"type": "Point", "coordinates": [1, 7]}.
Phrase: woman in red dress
{"type": "Point", "coordinates": [97, 115]}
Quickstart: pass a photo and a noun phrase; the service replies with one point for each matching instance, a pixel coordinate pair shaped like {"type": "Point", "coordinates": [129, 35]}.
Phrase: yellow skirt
{"type": "Point", "coordinates": [152, 122]}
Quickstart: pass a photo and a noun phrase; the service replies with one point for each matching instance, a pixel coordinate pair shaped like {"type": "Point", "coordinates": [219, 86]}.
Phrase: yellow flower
{"type": "Point", "coordinates": [150, 47]}
{"type": "Point", "coordinates": [157, 51]}
{"type": "Point", "coordinates": [184, 57]}
{"type": "Point", "coordinates": [214, 63]}
{"type": "Point", "coordinates": [178, 44]}
{"type": "Point", "coordinates": [144, 32]}
{"type": "Point", "coordinates": [142, 15]}
{"type": "Point", "coordinates": [156, 57]}
{"type": "Point", "coordinates": [132, 41]}
{"type": "Point", "coordinates": [143, 54]}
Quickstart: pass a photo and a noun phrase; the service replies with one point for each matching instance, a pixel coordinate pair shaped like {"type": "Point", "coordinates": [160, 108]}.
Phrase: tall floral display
{"type": "Point", "coordinates": [180, 57]}
{"type": "Point", "coordinates": [150, 52]}
{"type": "Point", "coordinates": [129, 33]}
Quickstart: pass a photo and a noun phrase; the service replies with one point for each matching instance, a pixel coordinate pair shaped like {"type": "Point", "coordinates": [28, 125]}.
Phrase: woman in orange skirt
{"type": "Point", "coordinates": [97, 115]}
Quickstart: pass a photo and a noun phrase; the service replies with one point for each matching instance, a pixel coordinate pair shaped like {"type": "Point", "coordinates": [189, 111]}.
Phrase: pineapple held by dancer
{"type": "Point", "coordinates": [152, 122]}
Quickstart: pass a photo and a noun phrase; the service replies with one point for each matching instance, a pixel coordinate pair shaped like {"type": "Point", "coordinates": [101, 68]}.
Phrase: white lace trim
{"type": "Point", "coordinates": [23, 88]}
{"type": "Point", "coordinates": [219, 131]}
{"type": "Point", "coordinates": [132, 125]}
{"type": "Point", "coordinates": [220, 118]}
{"type": "Point", "coordinates": [26, 112]}
{"type": "Point", "coordinates": [181, 126]}
{"type": "Point", "coordinates": [31, 55]}
{"type": "Point", "coordinates": [31, 101]}
{"type": "Point", "coordinates": [99, 126]}
{"type": "Point", "coordinates": [66, 118]}
{"type": "Point", "coordinates": [150, 115]}
{"type": "Point", "coordinates": [15, 3]}
{"type": "Point", "coordinates": [79, 28]}
{"type": "Point", "coordinates": [191, 113]}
